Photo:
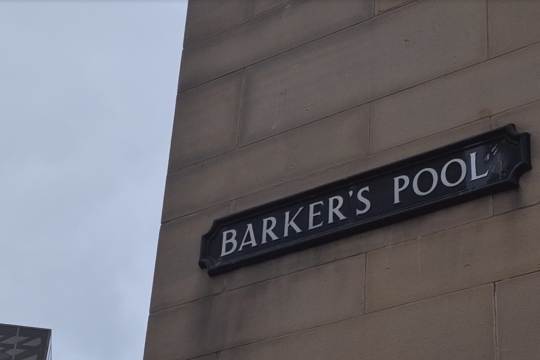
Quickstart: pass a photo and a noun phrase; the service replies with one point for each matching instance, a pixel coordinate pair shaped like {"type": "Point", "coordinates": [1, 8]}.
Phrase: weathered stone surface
{"type": "Point", "coordinates": [378, 57]}
{"type": "Point", "coordinates": [263, 7]}
{"type": "Point", "coordinates": [382, 6]}
{"type": "Point", "coordinates": [418, 227]}
{"type": "Point", "coordinates": [456, 99]}
{"type": "Point", "coordinates": [268, 36]}
{"type": "Point", "coordinates": [297, 153]}
{"type": "Point", "coordinates": [265, 310]}
{"type": "Point", "coordinates": [177, 276]}
{"type": "Point", "coordinates": [458, 326]}
{"type": "Point", "coordinates": [518, 323]}
{"type": "Point", "coordinates": [210, 17]}
{"type": "Point", "coordinates": [512, 25]}
{"type": "Point", "coordinates": [479, 253]}
{"type": "Point", "coordinates": [527, 119]}
{"type": "Point", "coordinates": [206, 121]}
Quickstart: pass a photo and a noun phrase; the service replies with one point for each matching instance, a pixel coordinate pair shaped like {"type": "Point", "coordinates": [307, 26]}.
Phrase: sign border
{"type": "Point", "coordinates": [509, 132]}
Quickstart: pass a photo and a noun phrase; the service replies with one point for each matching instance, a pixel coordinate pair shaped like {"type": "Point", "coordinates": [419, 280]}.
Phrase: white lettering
{"type": "Point", "coordinates": [231, 240]}
{"type": "Point", "coordinates": [332, 209]}
{"type": "Point", "coordinates": [267, 230]}
{"type": "Point", "coordinates": [398, 189]}
{"type": "Point", "coordinates": [249, 231]}
{"type": "Point", "coordinates": [444, 179]}
{"type": "Point", "coordinates": [433, 185]}
{"type": "Point", "coordinates": [312, 215]}
{"type": "Point", "coordinates": [291, 223]}
{"type": "Point", "coordinates": [474, 175]}
{"type": "Point", "coordinates": [363, 200]}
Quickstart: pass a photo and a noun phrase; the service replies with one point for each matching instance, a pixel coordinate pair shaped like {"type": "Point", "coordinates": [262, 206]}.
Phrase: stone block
{"type": "Point", "coordinates": [267, 36]}
{"type": "Point", "coordinates": [177, 276]}
{"type": "Point", "coordinates": [512, 25]}
{"type": "Point", "coordinates": [478, 253]}
{"type": "Point", "coordinates": [518, 317]}
{"type": "Point", "coordinates": [456, 99]}
{"type": "Point", "coordinates": [457, 326]}
{"type": "Point", "coordinates": [527, 119]}
{"type": "Point", "coordinates": [207, 18]}
{"type": "Point", "coordinates": [378, 57]}
{"type": "Point", "coordinates": [277, 307]}
{"type": "Point", "coordinates": [382, 6]}
{"type": "Point", "coordinates": [206, 121]}
{"type": "Point", "coordinates": [297, 153]}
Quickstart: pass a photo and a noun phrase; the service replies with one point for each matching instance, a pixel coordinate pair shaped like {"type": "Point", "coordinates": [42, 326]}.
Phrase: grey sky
{"type": "Point", "coordinates": [87, 91]}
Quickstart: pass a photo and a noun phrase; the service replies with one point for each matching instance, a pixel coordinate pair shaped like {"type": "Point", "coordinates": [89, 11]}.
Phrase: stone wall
{"type": "Point", "coordinates": [279, 96]}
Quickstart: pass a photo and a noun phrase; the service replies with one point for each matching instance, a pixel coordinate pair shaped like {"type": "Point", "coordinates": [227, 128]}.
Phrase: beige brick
{"type": "Point", "coordinates": [206, 18]}
{"type": "Point", "coordinates": [512, 25]}
{"type": "Point", "coordinates": [456, 99]}
{"type": "Point", "coordinates": [265, 310]}
{"type": "Point", "coordinates": [527, 119]}
{"type": "Point", "coordinates": [177, 277]}
{"type": "Point", "coordinates": [378, 57]}
{"type": "Point", "coordinates": [382, 6]}
{"type": "Point", "coordinates": [518, 318]}
{"type": "Point", "coordinates": [297, 153]}
{"type": "Point", "coordinates": [458, 326]}
{"type": "Point", "coordinates": [206, 121]}
{"type": "Point", "coordinates": [421, 226]}
{"type": "Point", "coordinates": [467, 256]}
{"type": "Point", "coordinates": [279, 31]}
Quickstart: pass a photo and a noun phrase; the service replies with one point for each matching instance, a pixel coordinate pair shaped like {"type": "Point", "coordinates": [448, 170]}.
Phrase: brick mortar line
{"type": "Point", "coordinates": [430, 297]}
{"type": "Point", "coordinates": [490, 117]}
{"type": "Point", "coordinates": [487, 29]}
{"type": "Point", "coordinates": [240, 111]}
{"type": "Point", "coordinates": [439, 133]}
{"type": "Point", "coordinates": [517, 276]}
{"type": "Point", "coordinates": [271, 11]}
{"type": "Point", "coordinates": [216, 34]}
{"type": "Point", "coordinates": [495, 322]}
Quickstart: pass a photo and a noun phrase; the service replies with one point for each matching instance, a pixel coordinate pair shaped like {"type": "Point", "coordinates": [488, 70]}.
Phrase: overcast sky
{"type": "Point", "coordinates": [87, 92]}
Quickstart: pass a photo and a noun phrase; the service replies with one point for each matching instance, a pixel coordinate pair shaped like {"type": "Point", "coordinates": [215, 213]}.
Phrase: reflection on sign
{"type": "Point", "coordinates": [475, 167]}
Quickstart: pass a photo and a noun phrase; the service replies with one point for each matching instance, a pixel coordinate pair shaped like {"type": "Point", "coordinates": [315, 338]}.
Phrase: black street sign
{"type": "Point", "coordinates": [478, 166]}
